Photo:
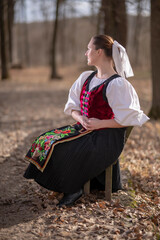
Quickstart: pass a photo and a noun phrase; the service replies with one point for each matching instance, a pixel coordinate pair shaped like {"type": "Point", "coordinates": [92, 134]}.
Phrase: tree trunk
{"type": "Point", "coordinates": [11, 4]}
{"type": "Point", "coordinates": [54, 38]}
{"type": "Point", "coordinates": [25, 33]}
{"type": "Point", "coordinates": [115, 20]}
{"type": "Point", "coordinates": [4, 39]}
{"type": "Point", "coordinates": [94, 18]}
{"type": "Point", "coordinates": [73, 48]}
{"type": "Point", "coordinates": [46, 22]}
{"type": "Point", "coordinates": [137, 33]}
{"type": "Point", "coordinates": [155, 58]}
{"type": "Point", "coordinates": [108, 19]}
{"type": "Point", "coordinates": [63, 36]}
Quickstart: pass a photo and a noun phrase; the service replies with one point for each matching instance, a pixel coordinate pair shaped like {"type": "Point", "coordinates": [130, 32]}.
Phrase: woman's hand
{"type": "Point", "coordinates": [94, 123]}
{"type": "Point", "coordinates": [91, 123]}
{"type": "Point", "coordinates": [84, 121]}
{"type": "Point", "coordinates": [87, 123]}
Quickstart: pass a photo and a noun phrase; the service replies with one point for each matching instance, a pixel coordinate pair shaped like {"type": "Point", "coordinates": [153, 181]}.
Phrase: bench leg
{"type": "Point", "coordinates": [87, 187]}
{"type": "Point", "coordinates": [108, 183]}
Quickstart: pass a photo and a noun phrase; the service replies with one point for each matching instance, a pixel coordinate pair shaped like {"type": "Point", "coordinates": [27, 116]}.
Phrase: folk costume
{"type": "Point", "coordinates": [81, 155]}
{"type": "Point", "coordinates": [71, 155]}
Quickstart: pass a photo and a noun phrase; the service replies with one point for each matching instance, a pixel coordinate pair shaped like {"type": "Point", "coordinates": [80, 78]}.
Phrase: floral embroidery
{"type": "Point", "coordinates": [43, 143]}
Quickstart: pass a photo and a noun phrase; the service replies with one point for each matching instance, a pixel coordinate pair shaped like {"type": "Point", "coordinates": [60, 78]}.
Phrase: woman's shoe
{"type": "Point", "coordinates": [69, 198]}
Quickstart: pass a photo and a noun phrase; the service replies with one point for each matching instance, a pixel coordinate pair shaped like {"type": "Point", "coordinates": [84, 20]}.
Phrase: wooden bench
{"type": "Point", "coordinates": [108, 175]}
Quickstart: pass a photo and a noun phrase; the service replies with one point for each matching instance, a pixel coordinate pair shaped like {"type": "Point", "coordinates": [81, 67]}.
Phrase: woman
{"type": "Point", "coordinates": [103, 103]}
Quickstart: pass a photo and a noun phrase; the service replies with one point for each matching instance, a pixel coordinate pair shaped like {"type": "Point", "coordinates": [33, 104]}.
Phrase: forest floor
{"type": "Point", "coordinates": [31, 104]}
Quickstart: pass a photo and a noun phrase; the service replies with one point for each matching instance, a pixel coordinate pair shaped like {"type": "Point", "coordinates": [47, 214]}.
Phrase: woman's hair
{"type": "Point", "coordinates": [104, 42]}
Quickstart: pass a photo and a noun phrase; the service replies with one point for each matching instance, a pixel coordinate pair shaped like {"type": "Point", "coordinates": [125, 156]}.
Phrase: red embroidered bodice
{"type": "Point", "coordinates": [94, 102]}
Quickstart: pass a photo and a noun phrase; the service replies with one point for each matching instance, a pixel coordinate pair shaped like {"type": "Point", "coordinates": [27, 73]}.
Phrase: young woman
{"type": "Point", "coordinates": [103, 103]}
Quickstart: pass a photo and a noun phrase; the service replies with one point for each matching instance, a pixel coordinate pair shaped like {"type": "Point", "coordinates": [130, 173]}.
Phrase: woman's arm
{"type": "Point", "coordinates": [94, 123]}
{"type": "Point", "coordinates": [125, 105]}
{"type": "Point", "coordinates": [79, 118]}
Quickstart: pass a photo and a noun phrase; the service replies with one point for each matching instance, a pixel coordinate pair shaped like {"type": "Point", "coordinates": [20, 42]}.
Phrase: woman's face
{"type": "Point", "coordinates": [91, 53]}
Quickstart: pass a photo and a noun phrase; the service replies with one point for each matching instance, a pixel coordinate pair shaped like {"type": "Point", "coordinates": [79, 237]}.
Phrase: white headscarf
{"type": "Point", "coordinates": [121, 60]}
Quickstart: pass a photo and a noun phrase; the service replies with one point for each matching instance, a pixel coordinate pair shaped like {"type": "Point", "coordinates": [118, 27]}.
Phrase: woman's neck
{"type": "Point", "coordinates": [105, 71]}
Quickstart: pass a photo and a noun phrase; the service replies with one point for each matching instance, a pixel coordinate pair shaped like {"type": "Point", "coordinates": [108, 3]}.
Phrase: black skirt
{"type": "Point", "coordinates": [75, 162]}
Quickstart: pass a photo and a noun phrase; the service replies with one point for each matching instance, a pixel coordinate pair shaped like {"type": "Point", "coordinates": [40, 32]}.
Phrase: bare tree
{"type": "Point", "coordinates": [62, 35]}
{"type": "Point", "coordinates": [25, 32]}
{"type": "Point", "coordinates": [72, 36]}
{"type": "Point", "coordinates": [94, 17]}
{"type": "Point", "coordinates": [45, 6]}
{"type": "Point", "coordinates": [11, 4]}
{"type": "Point", "coordinates": [155, 58]}
{"type": "Point", "coordinates": [4, 39]}
{"type": "Point", "coordinates": [54, 39]}
{"type": "Point", "coordinates": [115, 19]}
{"type": "Point", "coordinates": [138, 23]}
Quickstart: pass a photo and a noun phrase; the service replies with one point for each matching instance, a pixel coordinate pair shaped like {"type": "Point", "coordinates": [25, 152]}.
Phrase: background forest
{"type": "Point", "coordinates": [42, 47]}
{"type": "Point", "coordinates": [31, 42]}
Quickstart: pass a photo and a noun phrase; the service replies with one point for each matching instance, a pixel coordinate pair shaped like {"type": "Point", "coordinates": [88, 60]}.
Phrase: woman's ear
{"type": "Point", "coordinates": [100, 51]}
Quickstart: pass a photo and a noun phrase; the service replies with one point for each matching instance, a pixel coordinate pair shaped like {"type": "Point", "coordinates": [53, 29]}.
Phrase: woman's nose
{"type": "Point", "coordinates": [86, 53]}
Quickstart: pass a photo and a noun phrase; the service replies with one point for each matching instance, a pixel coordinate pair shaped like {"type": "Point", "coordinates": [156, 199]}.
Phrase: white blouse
{"type": "Point", "coordinates": [121, 96]}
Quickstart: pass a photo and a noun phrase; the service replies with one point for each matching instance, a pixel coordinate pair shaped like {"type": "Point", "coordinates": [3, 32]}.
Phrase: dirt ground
{"type": "Point", "coordinates": [31, 104]}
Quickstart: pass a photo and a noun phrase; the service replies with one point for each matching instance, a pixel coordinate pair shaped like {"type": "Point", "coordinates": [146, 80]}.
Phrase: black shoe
{"type": "Point", "coordinates": [69, 198]}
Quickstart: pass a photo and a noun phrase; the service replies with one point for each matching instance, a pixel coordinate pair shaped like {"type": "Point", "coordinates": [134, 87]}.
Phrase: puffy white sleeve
{"type": "Point", "coordinates": [73, 102]}
{"type": "Point", "coordinates": [124, 102]}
